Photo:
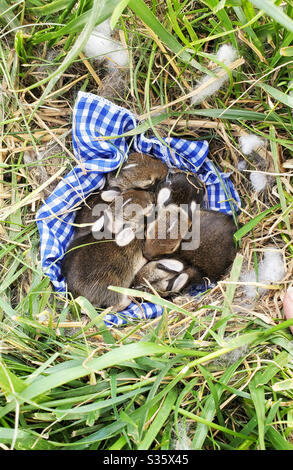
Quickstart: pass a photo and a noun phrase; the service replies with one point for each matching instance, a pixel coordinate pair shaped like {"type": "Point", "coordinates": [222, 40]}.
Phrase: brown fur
{"type": "Point", "coordinates": [89, 270]}
{"type": "Point", "coordinates": [217, 250]}
{"type": "Point", "coordinates": [184, 187]}
{"type": "Point", "coordinates": [162, 279]}
{"type": "Point", "coordinates": [155, 246]}
{"type": "Point", "coordinates": [147, 173]}
{"type": "Point", "coordinates": [84, 215]}
{"type": "Point", "coordinates": [91, 265]}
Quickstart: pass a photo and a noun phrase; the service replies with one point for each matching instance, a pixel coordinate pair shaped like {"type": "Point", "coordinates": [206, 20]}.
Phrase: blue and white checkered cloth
{"type": "Point", "coordinates": [94, 117]}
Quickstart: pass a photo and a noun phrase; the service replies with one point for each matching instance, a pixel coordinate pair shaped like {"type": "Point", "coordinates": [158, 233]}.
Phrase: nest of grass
{"type": "Point", "coordinates": [46, 147]}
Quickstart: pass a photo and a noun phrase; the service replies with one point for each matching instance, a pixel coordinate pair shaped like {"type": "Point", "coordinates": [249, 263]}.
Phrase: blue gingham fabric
{"type": "Point", "coordinates": [95, 117]}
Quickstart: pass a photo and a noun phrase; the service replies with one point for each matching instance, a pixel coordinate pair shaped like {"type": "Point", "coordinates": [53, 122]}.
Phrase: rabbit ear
{"type": "Point", "coordinates": [170, 265]}
{"type": "Point", "coordinates": [112, 223]}
{"type": "Point", "coordinates": [130, 165]}
{"type": "Point", "coordinates": [179, 282]}
{"type": "Point", "coordinates": [163, 196]}
{"type": "Point", "coordinates": [109, 196]}
{"type": "Point", "coordinates": [98, 225]}
{"type": "Point", "coordinates": [193, 207]}
{"type": "Point", "coordinates": [125, 237]}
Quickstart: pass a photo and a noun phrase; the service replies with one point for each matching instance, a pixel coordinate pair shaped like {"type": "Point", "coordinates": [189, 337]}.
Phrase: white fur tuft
{"type": "Point", "coordinates": [210, 90]}
{"type": "Point", "coordinates": [182, 440]}
{"type": "Point", "coordinates": [226, 54]}
{"type": "Point", "coordinates": [258, 181]}
{"type": "Point", "coordinates": [249, 143]}
{"type": "Point", "coordinates": [250, 290]}
{"type": "Point", "coordinates": [101, 45]}
{"type": "Point", "coordinates": [104, 28]}
{"type": "Point", "coordinates": [242, 165]}
{"type": "Point", "coordinates": [271, 269]}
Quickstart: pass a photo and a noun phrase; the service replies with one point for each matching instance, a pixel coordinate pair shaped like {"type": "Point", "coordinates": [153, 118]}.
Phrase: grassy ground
{"type": "Point", "coordinates": [214, 373]}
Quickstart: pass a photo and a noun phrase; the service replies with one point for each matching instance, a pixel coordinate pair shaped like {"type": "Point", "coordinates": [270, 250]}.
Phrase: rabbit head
{"type": "Point", "coordinates": [166, 231]}
{"type": "Point", "coordinates": [140, 171]}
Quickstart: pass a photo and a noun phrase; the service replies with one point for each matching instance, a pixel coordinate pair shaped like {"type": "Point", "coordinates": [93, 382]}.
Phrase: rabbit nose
{"type": "Point", "coordinates": [147, 255]}
{"type": "Point", "coordinates": [147, 252]}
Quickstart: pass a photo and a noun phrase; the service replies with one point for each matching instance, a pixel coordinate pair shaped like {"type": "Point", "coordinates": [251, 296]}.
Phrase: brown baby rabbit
{"type": "Point", "coordinates": [166, 276]}
{"type": "Point", "coordinates": [86, 214]}
{"type": "Point", "coordinates": [165, 232]}
{"type": "Point", "coordinates": [139, 171]}
{"type": "Point", "coordinates": [128, 208]}
{"type": "Point", "coordinates": [216, 250]}
{"type": "Point", "coordinates": [180, 188]}
{"type": "Point", "coordinates": [90, 269]}
{"type": "Point", "coordinates": [108, 201]}
{"type": "Point", "coordinates": [204, 241]}
{"type": "Point", "coordinates": [91, 265]}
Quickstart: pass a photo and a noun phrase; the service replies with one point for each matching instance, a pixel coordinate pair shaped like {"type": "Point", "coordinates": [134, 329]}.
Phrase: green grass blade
{"type": "Point", "coordinates": [212, 425]}
{"type": "Point", "coordinates": [147, 16]}
{"type": "Point", "coordinates": [274, 12]}
{"type": "Point", "coordinates": [162, 415]}
{"type": "Point", "coordinates": [277, 94]}
{"type": "Point", "coordinates": [109, 359]}
{"type": "Point", "coordinates": [78, 411]}
{"type": "Point", "coordinates": [258, 397]}
{"type": "Point", "coordinates": [118, 10]}
{"type": "Point", "coordinates": [150, 298]}
{"type": "Point", "coordinates": [283, 385]}
{"type": "Point", "coordinates": [116, 356]}
{"type": "Point", "coordinates": [230, 291]}
{"type": "Point", "coordinates": [6, 14]}
{"type": "Point", "coordinates": [277, 440]}
{"type": "Point", "coordinates": [49, 9]}
{"type": "Point", "coordinates": [25, 440]}
{"type": "Point", "coordinates": [275, 155]}
{"type": "Point", "coordinates": [253, 222]}
{"type": "Point", "coordinates": [9, 382]}
{"type": "Point", "coordinates": [272, 369]}
{"type": "Point", "coordinates": [209, 409]}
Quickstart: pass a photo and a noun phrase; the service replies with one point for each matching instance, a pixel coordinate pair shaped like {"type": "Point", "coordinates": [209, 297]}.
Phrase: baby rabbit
{"type": "Point", "coordinates": [86, 215]}
{"type": "Point", "coordinates": [126, 209]}
{"type": "Point", "coordinates": [208, 247]}
{"type": "Point", "coordinates": [166, 275]}
{"type": "Point", "coordinates": [140, 171]}
{"type": "Point", "coordinates": [158, 273]}
{"type": "Point", "coordinates": [91, 265]}
{"type": "Point", "coordinates": [166, 231]}
{"type": "Point", "coordinates": [216, 250]}
{"type": "Point", "coordinates": [133, 205]}
{"type": "Point", "coordinates": [180, 188]}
